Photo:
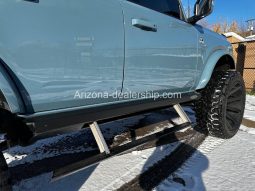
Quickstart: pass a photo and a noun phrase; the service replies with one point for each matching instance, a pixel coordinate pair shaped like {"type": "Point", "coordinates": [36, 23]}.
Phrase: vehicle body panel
{"type": "Point", "coordinates": [162, 60]}
{"type": "Point", "coordinates": [214, 47]}
{"type": "Point", "coordinates": [58, 47]}
{"type": "Point", "coordinates": [47, 58]}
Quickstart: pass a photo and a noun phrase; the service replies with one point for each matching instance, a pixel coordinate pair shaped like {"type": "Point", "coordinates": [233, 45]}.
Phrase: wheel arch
{"type": "Point", "coordinates": [9, 95]}
{"type": "Point", "coordinates": [220, 60]}
{"type": "Point", "coordinates": [10, 105]}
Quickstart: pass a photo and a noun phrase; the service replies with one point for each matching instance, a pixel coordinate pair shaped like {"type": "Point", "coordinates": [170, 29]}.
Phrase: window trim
{"type": "Point", "coordinates": [182, 15]}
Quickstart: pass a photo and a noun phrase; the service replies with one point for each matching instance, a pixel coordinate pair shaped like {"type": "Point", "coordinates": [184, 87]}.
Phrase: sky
{"type": "Point", "coordinates": [227, 10]}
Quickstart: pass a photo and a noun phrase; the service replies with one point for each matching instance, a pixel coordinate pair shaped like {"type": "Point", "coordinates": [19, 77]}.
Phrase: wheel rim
{"type": "Point", "coordinates": [234, 107]}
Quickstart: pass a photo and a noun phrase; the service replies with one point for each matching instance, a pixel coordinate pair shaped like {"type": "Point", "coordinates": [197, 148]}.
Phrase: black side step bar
{"type": "Point", "coordinates": [83, 164]}
{"type": "Point", "coordinates": [107, 153]}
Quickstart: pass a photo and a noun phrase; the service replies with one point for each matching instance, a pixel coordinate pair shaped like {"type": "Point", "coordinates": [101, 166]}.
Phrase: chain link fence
{"type": "Point", "coordinates": [244, 54]}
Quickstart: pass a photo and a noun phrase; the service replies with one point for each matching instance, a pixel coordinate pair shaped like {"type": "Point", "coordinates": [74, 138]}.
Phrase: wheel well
{"type": "Point", "coordinates": [226, 62]}
{"type": "Point", "coordinates": [17, 132]}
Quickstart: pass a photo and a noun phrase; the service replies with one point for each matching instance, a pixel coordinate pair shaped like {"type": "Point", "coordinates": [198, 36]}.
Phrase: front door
{"type": "Point", "coordinates": [160, 47]}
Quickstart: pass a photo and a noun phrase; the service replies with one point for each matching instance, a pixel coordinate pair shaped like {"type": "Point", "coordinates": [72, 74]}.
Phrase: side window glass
{"type": "Point", "coordinates": [188, 6]}
{"type": "Point", "coordinates": [167, 7]}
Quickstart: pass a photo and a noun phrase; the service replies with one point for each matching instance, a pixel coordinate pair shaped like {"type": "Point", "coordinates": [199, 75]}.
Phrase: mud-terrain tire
{"type": "Point", "coordinates": [222, 104]}
{"type": "Point", "coordinates": [5, 181]}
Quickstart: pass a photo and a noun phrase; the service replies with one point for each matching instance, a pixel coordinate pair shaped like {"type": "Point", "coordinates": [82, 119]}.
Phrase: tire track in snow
{"type": "Point", "coordinates": [165, 167]}
{"type": "Point", "coordinates": [210, 144]}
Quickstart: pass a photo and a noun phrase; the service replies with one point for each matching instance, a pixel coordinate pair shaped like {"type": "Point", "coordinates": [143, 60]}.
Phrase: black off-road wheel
{"type": "Point", "coordinates": [5, 180]}
{"type": "Point", "coordinates": [221, 107]}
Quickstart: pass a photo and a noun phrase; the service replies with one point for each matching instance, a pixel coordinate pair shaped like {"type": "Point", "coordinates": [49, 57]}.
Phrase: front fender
{"type": "Point", "coordinates": [210, 66]}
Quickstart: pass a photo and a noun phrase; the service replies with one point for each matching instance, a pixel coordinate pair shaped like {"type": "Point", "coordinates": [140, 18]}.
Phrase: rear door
{"type": "Point", "coordinates": [64, 53]}
{"type": "Point", "coordinates": [161, 49]}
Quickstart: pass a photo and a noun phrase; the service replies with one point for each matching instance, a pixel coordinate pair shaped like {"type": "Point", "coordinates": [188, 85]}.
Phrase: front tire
{"type": "Point", "coordinates": [221, 107]}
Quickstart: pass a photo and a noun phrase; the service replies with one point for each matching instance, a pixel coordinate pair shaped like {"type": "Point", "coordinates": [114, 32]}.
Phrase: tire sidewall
{"type": "Point", "coordinates": [232, 82]}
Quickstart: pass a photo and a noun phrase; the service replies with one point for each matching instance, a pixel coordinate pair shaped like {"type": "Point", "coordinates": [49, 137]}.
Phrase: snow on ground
{"type": "Point", "coordinates": [217, 165]}
{"type": "Point", "coordinates": [73, 142]}
{"type": "Point", "coordinates": [247, 129]}
{"type": "Point", "coordinates": [250, 108]}
{"type": "Point", "coordinates": [249, 113]}
{"type": "Point", "coordinates": [108, 175]}
{"type": "Point", "coordinates": [64, 144]}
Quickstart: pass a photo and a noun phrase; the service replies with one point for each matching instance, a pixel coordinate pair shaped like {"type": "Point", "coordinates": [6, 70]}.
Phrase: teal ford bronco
{"type": "Point", "coordinates": [67, 63]}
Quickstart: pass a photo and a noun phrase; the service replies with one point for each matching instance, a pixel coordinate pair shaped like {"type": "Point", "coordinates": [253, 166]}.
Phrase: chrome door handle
{"type": "Point", "coordinates": [32, 1]}
{"type": "Point", "coordinates": [144, 25]}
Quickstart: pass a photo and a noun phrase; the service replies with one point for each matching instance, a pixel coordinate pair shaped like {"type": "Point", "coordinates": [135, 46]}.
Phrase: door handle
{"type": "Point", "coordinates": [32, 1]}
{"type": "Point", "coordinates": [144, 25]}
